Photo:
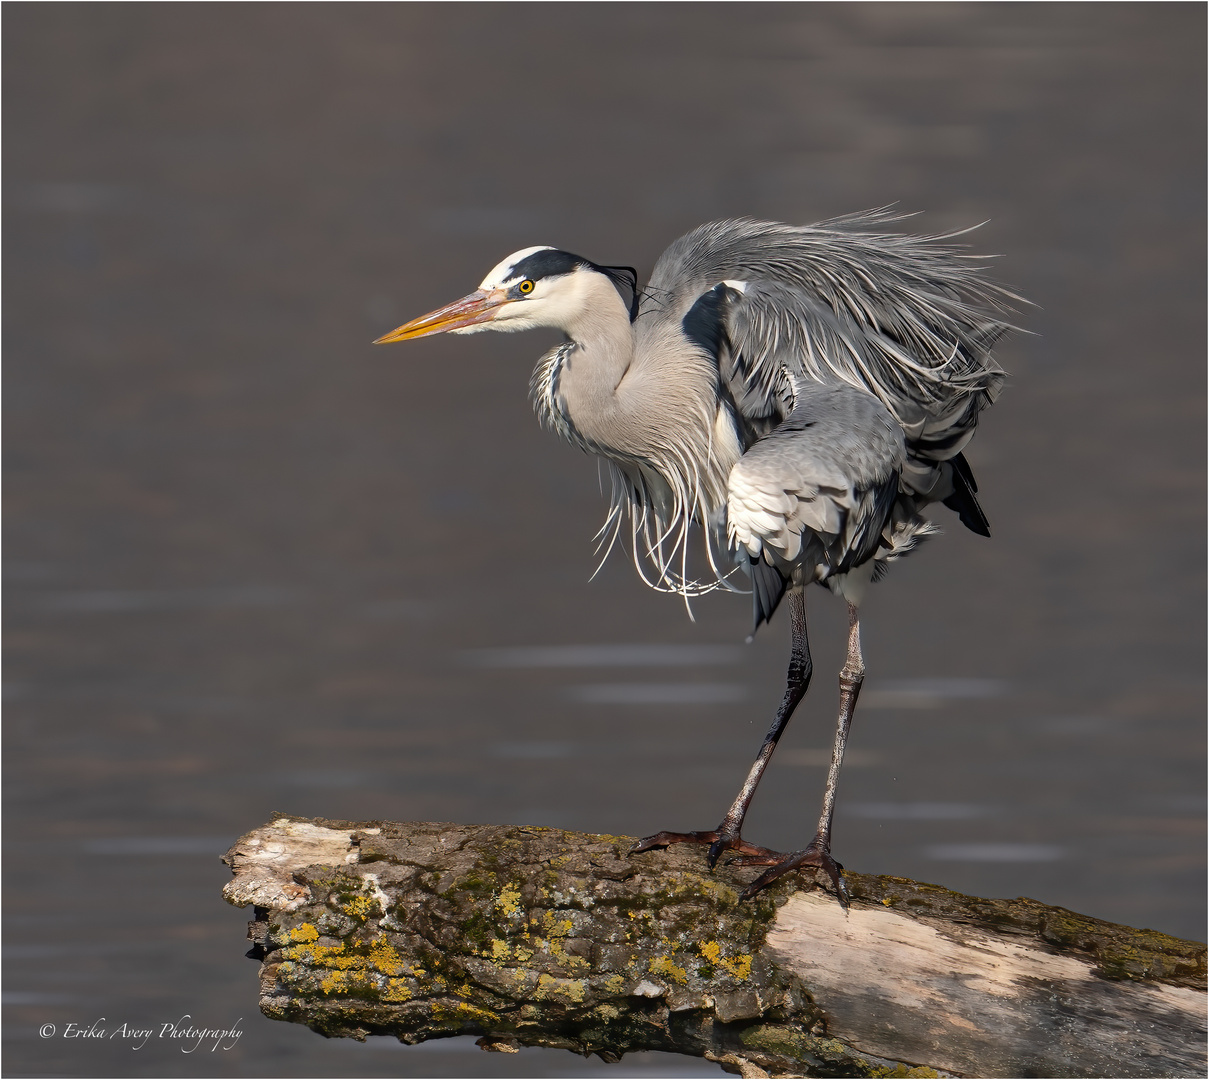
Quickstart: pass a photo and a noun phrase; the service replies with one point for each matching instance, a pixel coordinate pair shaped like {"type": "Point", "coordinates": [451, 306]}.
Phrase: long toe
{"type": "Point", "coordinates": [666, 839]}
{"type": "Point", "coordinates": [813, 857]}
{"type": "Point", "coordinates": [760, 855]}
{"type": "Point", "coordinates": [759, 858]}
{"type": "Point", "coordinates": [718, 843]}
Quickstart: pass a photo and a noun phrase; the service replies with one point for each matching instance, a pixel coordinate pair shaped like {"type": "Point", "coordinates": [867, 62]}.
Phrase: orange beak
{"type": "Point", "coordinates": [479, 307]}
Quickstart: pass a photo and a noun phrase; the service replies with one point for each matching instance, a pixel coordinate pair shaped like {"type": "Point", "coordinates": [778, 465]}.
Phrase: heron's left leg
{"type": "Point", "coordinates": [818, 853]}
{"type": "Point", "coordinates": [726, 836]}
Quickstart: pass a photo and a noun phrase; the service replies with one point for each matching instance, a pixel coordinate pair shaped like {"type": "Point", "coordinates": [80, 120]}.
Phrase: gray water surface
{"type": "Point", "coordinates": [256, 564]}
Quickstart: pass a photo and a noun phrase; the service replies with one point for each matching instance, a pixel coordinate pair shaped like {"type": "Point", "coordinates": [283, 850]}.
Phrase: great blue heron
{"type": "Point", "coordinates": [800, 392]}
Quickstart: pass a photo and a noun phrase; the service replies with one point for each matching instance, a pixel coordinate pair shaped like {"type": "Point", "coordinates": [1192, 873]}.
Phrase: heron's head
{"type": "Point", "coordinates": [537, 286]}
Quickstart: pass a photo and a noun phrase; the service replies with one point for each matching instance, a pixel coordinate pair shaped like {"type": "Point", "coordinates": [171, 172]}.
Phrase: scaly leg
{"type": "Point", "coordinates": [726, 836]}
{"type": "Point", "coordinates": [818, 852]}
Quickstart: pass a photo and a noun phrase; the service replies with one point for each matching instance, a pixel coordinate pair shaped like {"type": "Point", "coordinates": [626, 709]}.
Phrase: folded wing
{"type": "Point", "coordinates": [814, 499]}
{"type": "Point", "coordinates": [908, 320]}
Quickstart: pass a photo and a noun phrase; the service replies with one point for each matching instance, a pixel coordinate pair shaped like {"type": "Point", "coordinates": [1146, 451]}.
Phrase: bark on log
{"type": "Point", "coordinates": [549, 938]}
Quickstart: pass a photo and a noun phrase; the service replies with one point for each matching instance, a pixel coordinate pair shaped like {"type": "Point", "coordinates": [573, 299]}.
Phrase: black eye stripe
{"type": "Point", "coordinates": [547, 263]}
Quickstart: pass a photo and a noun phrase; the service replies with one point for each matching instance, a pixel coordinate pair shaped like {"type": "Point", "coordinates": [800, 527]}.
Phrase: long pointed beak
{"type": "Point", "coordinates": [479, 307]}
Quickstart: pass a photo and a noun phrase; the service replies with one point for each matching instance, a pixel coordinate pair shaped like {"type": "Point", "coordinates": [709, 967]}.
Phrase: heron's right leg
{"type": "Point", "coordinates": [817, 853]}
{"type": "Point", "coordinates": [726, 836]}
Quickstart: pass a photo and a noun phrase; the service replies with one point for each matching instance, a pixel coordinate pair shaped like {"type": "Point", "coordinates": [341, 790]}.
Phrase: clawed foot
{"type": "Point", "coordinates": [816, 856]}
{"type": "Point", "coordinates": [718, 843]}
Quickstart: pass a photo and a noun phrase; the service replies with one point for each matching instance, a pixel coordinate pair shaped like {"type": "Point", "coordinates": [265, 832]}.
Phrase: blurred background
{"type": "Point", "coordinates": [254, 563]}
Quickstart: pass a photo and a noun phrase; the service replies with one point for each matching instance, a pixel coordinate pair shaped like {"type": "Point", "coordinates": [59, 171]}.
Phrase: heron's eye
{"type": "Point", "coordinates": [526, 286]}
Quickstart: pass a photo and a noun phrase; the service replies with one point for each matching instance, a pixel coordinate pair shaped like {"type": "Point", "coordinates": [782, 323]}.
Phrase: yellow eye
{"type": "Point", "coordinates": [526, 286]}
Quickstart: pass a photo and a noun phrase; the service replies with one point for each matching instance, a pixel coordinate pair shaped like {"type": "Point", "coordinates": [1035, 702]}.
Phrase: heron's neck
{"type": "Point", "coordinates": [589, 386]}
{"type": "Point", "coordinates": [641, 395]}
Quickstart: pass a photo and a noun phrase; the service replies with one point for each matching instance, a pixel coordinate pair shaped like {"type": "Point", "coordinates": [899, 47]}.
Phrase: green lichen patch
{"type": "Point", "coordinates": [781, 1045]}
{"type": "Point", "coordinates": [1121, 952]}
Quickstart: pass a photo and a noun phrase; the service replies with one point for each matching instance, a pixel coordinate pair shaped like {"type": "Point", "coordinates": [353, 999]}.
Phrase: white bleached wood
{"type": "Point", "coordinates": [980, 1004]}
{"type": "Point", "coordinates": [264, 862]}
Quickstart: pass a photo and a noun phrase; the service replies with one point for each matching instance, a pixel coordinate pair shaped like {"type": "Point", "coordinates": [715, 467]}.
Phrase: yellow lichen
{"type": "Point", "coordinates": [329, 956]}
{"type": "Point", "coordinates": [499, 950]}
{"type": "Point", "coordinates": [614, 984]}
{"type": "Point", "coordinates": [305, 932]}
{"type": "Point", "coordinates": [663, 965]}
{"type": "Point", "coordinates": [561, 954]}
{"type": "Point", "coordinates": [386, 958]}
{"type": "Point", "coordinates": [509, 900]}
{"type": "Point", "coordinates": [548, 986]}
{"type": "Point", "coordinates": [462, 1011]}
{"type": "Point", "coordinates": [473, 1012]}
{"type": "Point", "coordinates": [334, 982]}
{"type": "Point", "coordinates": [345, 971]}
{"type": "Point", "coordinates": [738, 966]}
{"type": "Point", "coordinates": [556, 927]}
{"type": "Point", "coordinates": [396, 990]}
{"type": "Point", "coordinates": [360, 907]}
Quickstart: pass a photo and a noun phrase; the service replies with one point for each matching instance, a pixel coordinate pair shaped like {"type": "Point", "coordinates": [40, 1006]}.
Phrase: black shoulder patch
{"type": "Point", "coordinates": [548, 263]}
{"type": "Point", "coordinates": [703, 323]}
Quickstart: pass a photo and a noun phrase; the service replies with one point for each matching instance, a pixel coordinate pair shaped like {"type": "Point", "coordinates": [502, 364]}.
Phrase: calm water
{"type": "Point", "coordinates": [255, 564]}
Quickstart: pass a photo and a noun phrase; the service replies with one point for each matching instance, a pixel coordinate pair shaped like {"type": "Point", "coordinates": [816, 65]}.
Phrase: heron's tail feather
{"type": "Point", "coordinates": [963, 499]}
{"type": "Point", "coordinates": [768, 586]}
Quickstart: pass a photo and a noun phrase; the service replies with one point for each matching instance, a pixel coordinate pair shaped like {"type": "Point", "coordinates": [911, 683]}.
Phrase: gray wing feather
{"type": "Point", "coordinates": [908, 319]}
{"type": "Point", "coordinates": [815, 495]}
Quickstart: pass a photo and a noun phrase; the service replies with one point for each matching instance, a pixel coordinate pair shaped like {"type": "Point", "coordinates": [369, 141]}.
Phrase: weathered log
{"type": "Point", "coordinates": [547, 938]}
